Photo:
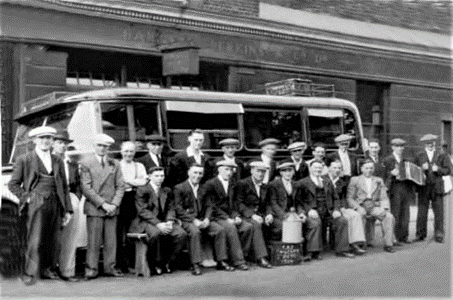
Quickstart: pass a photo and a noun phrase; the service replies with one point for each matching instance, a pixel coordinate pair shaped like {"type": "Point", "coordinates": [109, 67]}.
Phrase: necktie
{"type": "Point", "coordinates": [102, 163]}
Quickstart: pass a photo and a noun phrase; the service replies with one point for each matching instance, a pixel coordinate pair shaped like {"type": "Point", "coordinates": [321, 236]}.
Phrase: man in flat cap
{"type": "Point", "coordinates": [103, 187]}
{"type": "Point", "coordinates": [181, 162]}
{"type": "Point", "coordinates": [435, 164]}
{"type": "Point", "coordinates": [154, 158]}
{"type": "Point", "coordinates": [373, 154]}
{"type": "Point", "coordinates": [219, 192]}
{"type": "Point", "coordinates": [319, 153]}
{"type": "Point", "coordinates": [348, 159]}
{"type": "Point", "coordinates": [253, 204]}
{"type": "Point", "coordinates": [230, 147]}
{"type": "Point", "coordinates": [297, 150]}
{"type": "Point", "coordinates": [401, 191]}
{"type": "Point", "coordinates": [268, 147]}
{"type": "Point", "coordinates": [39, 181]}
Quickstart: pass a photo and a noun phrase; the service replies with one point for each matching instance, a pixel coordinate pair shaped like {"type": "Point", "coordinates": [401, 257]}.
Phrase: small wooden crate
{"type": "Point", "coordinates": [282, 254]}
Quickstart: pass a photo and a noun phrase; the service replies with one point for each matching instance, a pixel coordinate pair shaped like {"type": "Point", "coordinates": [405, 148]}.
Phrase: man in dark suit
{"type": "Point", "coordinates": [321, 204]}
{"type": "Point", "coordinates": [435, 164]}
{"type": "Point", "coordinates": [71, 232]}
{"type": "Point", "coordinates": [39, 181]}
{"type": "Point", "coordinates": [253, 204]}
{"type": "Point", "coordinates": [297, 150]}
{"type": "Point", "coordinates": [156, 217]}
{"type": "Point", "coordinates": [229, 148]}
{"type": "Point", "coordinates": [401, 191]}
{"type": "Point", "coordinates": [195, 216]}
{"type": "Point", "coordinates": [181, 162]}
{"type": "Point", "coordinates": [103, 187]}
{"type": "Point", "coordinates": [154, 157]}
{"type": "Point", "coordinates": [348, 159]}
{"type": "Point", "coordinates": [268, 147]}
{"type": "Point", "coordinates": [373, 154]}
{"type": "Point", "coordinates": [219, 192]}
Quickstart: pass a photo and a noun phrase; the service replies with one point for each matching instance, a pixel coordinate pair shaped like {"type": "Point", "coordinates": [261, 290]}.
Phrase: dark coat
{"type": "Point", "coordinates": [341, 188]}
{"type": "Point", "coordinates": [25, 174]}
{"type": "Point", "coordinates": [180, 164]}
{"type": "Point", "coordinates": [389, 164]}
{"type": "Point", "coordinates": [272, 171]}
{"type": "Point", "coordinates": [302, 172]}
{"type": "Point", "coordinates": [247, 201]}
{"type": "Point", "coordinates": [239, 173]}
{"type": "Point", "coordinates": [281, 201]}
{"type": "Point", "coordinates": [222, 204]}
{"type": "Point", "coordinates": [75, 186]}
{"type": "Point", "coordinates": [148, 162]}
{"type": "Point", "coordinates": [187, 206]}
{"type": "Point", "coordinates": [435, 178]}
{"type": "Point", "coordinates": [352, 158]}
{"type": "Point", "coordinates": [306, 195]}
{"type": "Point", "coordinates": [151, 208]}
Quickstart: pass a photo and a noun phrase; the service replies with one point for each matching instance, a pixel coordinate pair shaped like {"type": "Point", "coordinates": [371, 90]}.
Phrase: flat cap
{"type": "Point", "coordinates": [268, 141]}
{"type": "Point", "coordinates": [398, 142]}
{"type": "Point", "coordinates": [63, 135]}
{"type": "Point", "coordinates": [155, 138]}
{"type": "Point", "coordinates": [154, 169]}
{"type": "Point", "coordinates": [316, 161]}
{"type": "Point", "coordinates": [229, 142]}
{"type": "Point", "coordinates": [343, 138]}
{"type": "Point", "coordinates": [285, 165]}
{"type": "Point", "coordinates": [259, 165]}
{"type": "Point", "coordinates": [296, 146]}
{"type": "Point", "coordinates": [428, 138]}
{"type": "Point", "coordinates": [103, 139]}
{"type": "Point", "coordinates": [42, 131]}
{"type": "Point", "coordinates": [226, 163]}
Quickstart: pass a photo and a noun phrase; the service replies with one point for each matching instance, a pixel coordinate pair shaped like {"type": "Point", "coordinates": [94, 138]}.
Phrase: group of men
{"type": "Point", "coordinates": [192, 198]}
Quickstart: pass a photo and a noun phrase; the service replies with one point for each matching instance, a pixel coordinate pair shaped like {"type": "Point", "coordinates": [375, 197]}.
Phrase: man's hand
{"type": "Point", "coordinates": [197, 223]}
{"type": "Point", "coordinates": [163, 227]}
{"type": "Point", "coordinates": [303, 217]}
{"type": "Point", "coordinates": [425, 166]}
{"type": "Point", "coordinates": [237, 220]}
{"type": "Point", "coordinates": [395, 172]}
{"type": "Point", "coordinates": [67, 217]}
{"type": "Point", "coordinates": [435, 168]}
{"type": "Point", "coordinates": [205, 223]}
{"type": "Point", "coordinates": [170, 225]}
{"type": "Point", "coordinates": [257, 218]}
{"type": "Point", "coordinates": [109, 208]}
{"type": "Point", "coordinates": [313, 214]}
{"type": "Point", "coordinates": [268, 219]}
{"type": "Point", "coordinates": [336, 214]}
{"type": "Point", "coordinates": [231, 221]}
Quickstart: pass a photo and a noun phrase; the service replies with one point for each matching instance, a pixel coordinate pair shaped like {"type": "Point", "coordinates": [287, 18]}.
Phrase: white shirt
{"type": "Point", "coordinates": [224, 184]}
{"type": "Point", "coordinates": [45, 158]}
{"type": "Point", "coordinates": [368, 186]}
{"type": "Point", "coordinates": [297, 163]}
{"type": "Point", "coordinates": [397, 157]}
{"type": "Point", "coordinates": [317, 180]}
{"type": "Point", "coordinates": [430, 154]}
{"type": "Point", "coordinates": [131, 172]}
{"type": "Point", "coordinates": [155, 188]}
{"type": "Point", "coordinates": [346, 163]}
{"type": "Point", "coordinates": [267, 161]}
{"type": "Point", "coordinates": [194, 189]}
{"type": "Point", "coordinates": [196, 156]}
{"type": "Point", "coordinates": [155, 159]}
{"type": "Point", "coordinates": [288, 186]}
{"type": "Point", "coordinates": [228, 159]}
{"type": "Point", "coordinates": [66, 169]}
{"type": "Point", "coordinates": [334, 181]}
{"type": "Point", "coordinates": [257, 187]}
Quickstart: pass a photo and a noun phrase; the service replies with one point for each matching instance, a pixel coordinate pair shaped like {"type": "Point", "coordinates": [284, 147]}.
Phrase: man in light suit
{"type": "Point", "coordinates": [39, 181]}
{"type": "Point", "coordinates": [157, 218]}
{"type": "Point", "coordinates": [367, 194]}
{"type": "Point", "coordinates": [435, 164]}
{"type": "Point", "coordinates": [103, 187]}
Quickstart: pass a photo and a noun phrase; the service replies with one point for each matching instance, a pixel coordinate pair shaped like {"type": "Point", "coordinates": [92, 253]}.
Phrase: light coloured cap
{"type": "Point", "coordinates": [42, 131]}
{"type": "Point", "coordinates": [268, 141]}
{"type": "Point", "coordinates": [398, 142]}
{"type": "Point", "coordinates": [343, 138]}
{"type": "Point", "coordinates": [229, 142]}
{"type": "Point", "coordinates": [259, 165]}
{"type": "Point", "coordinates": [427, 138]}
{"type": "Point", "coordinates": [297, 146]}
{"type": "Point", "coordinates": [103, 139]}
{"type": "Point", "coordinates": [285, 165]}
{"type": "Point", "coordinates": [226, 163]}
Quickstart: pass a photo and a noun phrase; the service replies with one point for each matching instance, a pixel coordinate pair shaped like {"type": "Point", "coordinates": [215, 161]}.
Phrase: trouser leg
{"type": "Point", "coordinates": [313, 235]}
{"type": "Point", "coordinates": [245, 231]}
{"type": "Point", "coordinates": [258, 243]}
{"type": "Point", "coordinates": [110, 243]}
{"type": "Point", "coordinates": [178, 241]}
{"type": "Point", "coordinates": [233, 242]}
{"type": "Point", "coordinates": [218, 234]}
{"type": "Point", "coordinates": [153, 241]}
{"type": "Point", "coordinates": [340, 230]}
{"type": "Point", "coordinates": [438, 209]}
{"type": "Point", "coordinates": [422, 212]}
{"type": "Point", "coordinates": [356, 231]}
{"type": "Point", "coordinates": [194, 239]}
{"type": "Point", "coordinates": [95, 227]}
{"type": "Point", "coordinates": [50, 236]}
{"type": "Point", "coordinates": [388, 224]}
{"type": "Point", "coordinates": [396, 209]}
{"type": "Point", "coordinates": [69, 234]}
{"type": "Point", "coordinates": [276, 230]}
{"type": "Point", "coordinates": [32, 261]}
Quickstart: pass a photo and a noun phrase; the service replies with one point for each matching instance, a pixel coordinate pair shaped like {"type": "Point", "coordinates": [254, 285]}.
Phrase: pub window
{"type": "Point", "coordinates": [260, 124]}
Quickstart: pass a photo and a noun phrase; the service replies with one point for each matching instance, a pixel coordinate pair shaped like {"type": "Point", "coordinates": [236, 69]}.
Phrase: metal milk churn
{"type": "Point", "coordinates": [292, 228]}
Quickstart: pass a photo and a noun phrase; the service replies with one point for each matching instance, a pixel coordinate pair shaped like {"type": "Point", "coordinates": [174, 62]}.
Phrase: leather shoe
{"type": "Point", "coordinates": [157, 271]}
{"type": "Point", "coordinates": [49, 274]}
{"type": "Point", "coordinates": [397, 244]}
{"type": "Point", "coordinates": [28, 280]}
{"type": "Point", "coordinates": [358, 250]}
{"type": "Point", "coordinates": [419, 239]}
{"type": "Point", "coordinates": [439, 239]}
{"type": "Point", "coordinates": [346, 254]}
{"type": "Point", "coordinates": [307, 257]}
{"type": "Point", "coordinates": [316, 255]}
{"type": "Point", "coordinates": [223, 265]}
{"type": "Point", "coordinates": [196, 270]}
{"type": "Point", "coordinates": [406, 241]}
{"type": "Point", "coordinates": [90, 275]}
{"type": "Point", "coordinates": [263, 263]}
{"type": "Point", "coordinates": [389, 249]}
{"type": "Point", "coordinates": [167, 269]}
{"type": "Point", "coordinates": [70, 279]}
{"type": "Point", "coordinates": [242, 267]}
{"type": "Point", "coordinates": [114, 273]}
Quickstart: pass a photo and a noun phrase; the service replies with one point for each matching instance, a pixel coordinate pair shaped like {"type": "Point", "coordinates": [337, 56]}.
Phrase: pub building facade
{"type": "Point", "coordinates": [400, 79]}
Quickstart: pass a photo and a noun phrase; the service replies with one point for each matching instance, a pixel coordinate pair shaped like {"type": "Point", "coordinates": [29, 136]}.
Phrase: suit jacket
{"type": "Point", "coordinates": [25, 177]}
{"type": "Point", "coordinates": [101, 185]}
{"type": "Point", "coordinates": [302, 172]}
{"type": "Point", "coordinates": [151, 208]}
{"type": "Point", "coordinates": [75, 185]}
{"type": "Point", "coordinates": [352, 158]}
{"type": "Point", "coordinates": [148, 162]}
{"type": "Point", "coordinates": [306, 195]}
{"type": "Point", "coordinates": [221, 203]}
{"type": "Point", "coordinates": [281, 202]}
{"type": "Point", "coordinates": [379, 168]}
{"type": "Point", "coordinates": [434, 178]}
{"type": "Point", "coordinates": [272, 171]}
{"type": "Point", "coordinates": [240, 171]}
{"type": "Point", "coordinates": [180, 164]}
{"type": "Point", "coordinates": [189, 207]}
{"type": "Point", "coordinates": [357, 192]}
{"type": "Point", "coordinates": [247, 201]}
{"type": "Point", "coordinates": [389, 164]}
{"type": "Point", "coordinates": [341, 188]}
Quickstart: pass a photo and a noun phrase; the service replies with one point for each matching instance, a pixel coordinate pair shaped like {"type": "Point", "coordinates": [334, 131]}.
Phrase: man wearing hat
{"type": "Point", "coordinates": [401, 191]}
{"type": "Point", "coordinates": [103, 187]}
{"type": "Point", "coordinates": [253, 204]}
{"type": "Point", "coordinates": [71, 232]}
{"type": "Point", "coordinates": [154, 158]}
{"type": "Point", "coordinates": [319, 153]}
{"type": "Point", "coordinates": [218, 191]}
{"type": "Point", "coordinates": [39, 181]}
{"type": "Point", "coordinates": [434, 164]}
{"type": "Point", "coordinates": [268, 149]}
{"type": "Point", "coordinates": [229, 148]}
{"type": "Point", "coordinates": [348, 159]}
{"type": "Point", "coordinates": [297, 150]}
{"type": "Point", "coordinates": [373, 154]}
{"type": "Point", "coordinates": [282, 197]}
